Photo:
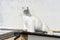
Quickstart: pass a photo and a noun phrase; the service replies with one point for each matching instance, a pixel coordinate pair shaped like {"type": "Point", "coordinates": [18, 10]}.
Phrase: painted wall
{"type": "Point", "coordinates": [10, 13]}
{"type": "Point", "coordinates": [47, 10]}
{"type": "Point", "coordinates": [34, 37]}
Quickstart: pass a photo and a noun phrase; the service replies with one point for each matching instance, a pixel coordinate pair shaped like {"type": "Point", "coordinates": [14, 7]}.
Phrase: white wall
{"type": "Point", "coordinates": [34, 37]}
{"type": "Point", "coordinates": [10, 11]}
{"type": "Point", "coordinates": [47, 10]}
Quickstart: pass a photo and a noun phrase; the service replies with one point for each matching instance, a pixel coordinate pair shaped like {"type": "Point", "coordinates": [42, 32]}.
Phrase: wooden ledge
{"type": "Point", "coordinates": [40, 34]}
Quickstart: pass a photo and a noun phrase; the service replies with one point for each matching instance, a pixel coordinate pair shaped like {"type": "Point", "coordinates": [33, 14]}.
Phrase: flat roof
{"type": "Point", "coordinates": [11, 34]}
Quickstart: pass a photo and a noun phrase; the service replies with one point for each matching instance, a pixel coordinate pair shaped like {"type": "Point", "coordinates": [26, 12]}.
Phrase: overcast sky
{"type": "Point", "coordinates": [47, 10]}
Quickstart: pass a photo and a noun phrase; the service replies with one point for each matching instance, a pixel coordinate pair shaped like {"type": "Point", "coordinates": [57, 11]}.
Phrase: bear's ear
{"type": "Point", "coordinates": [24, 8]}
{"type": "Point", "coordinates": [27, 8]}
